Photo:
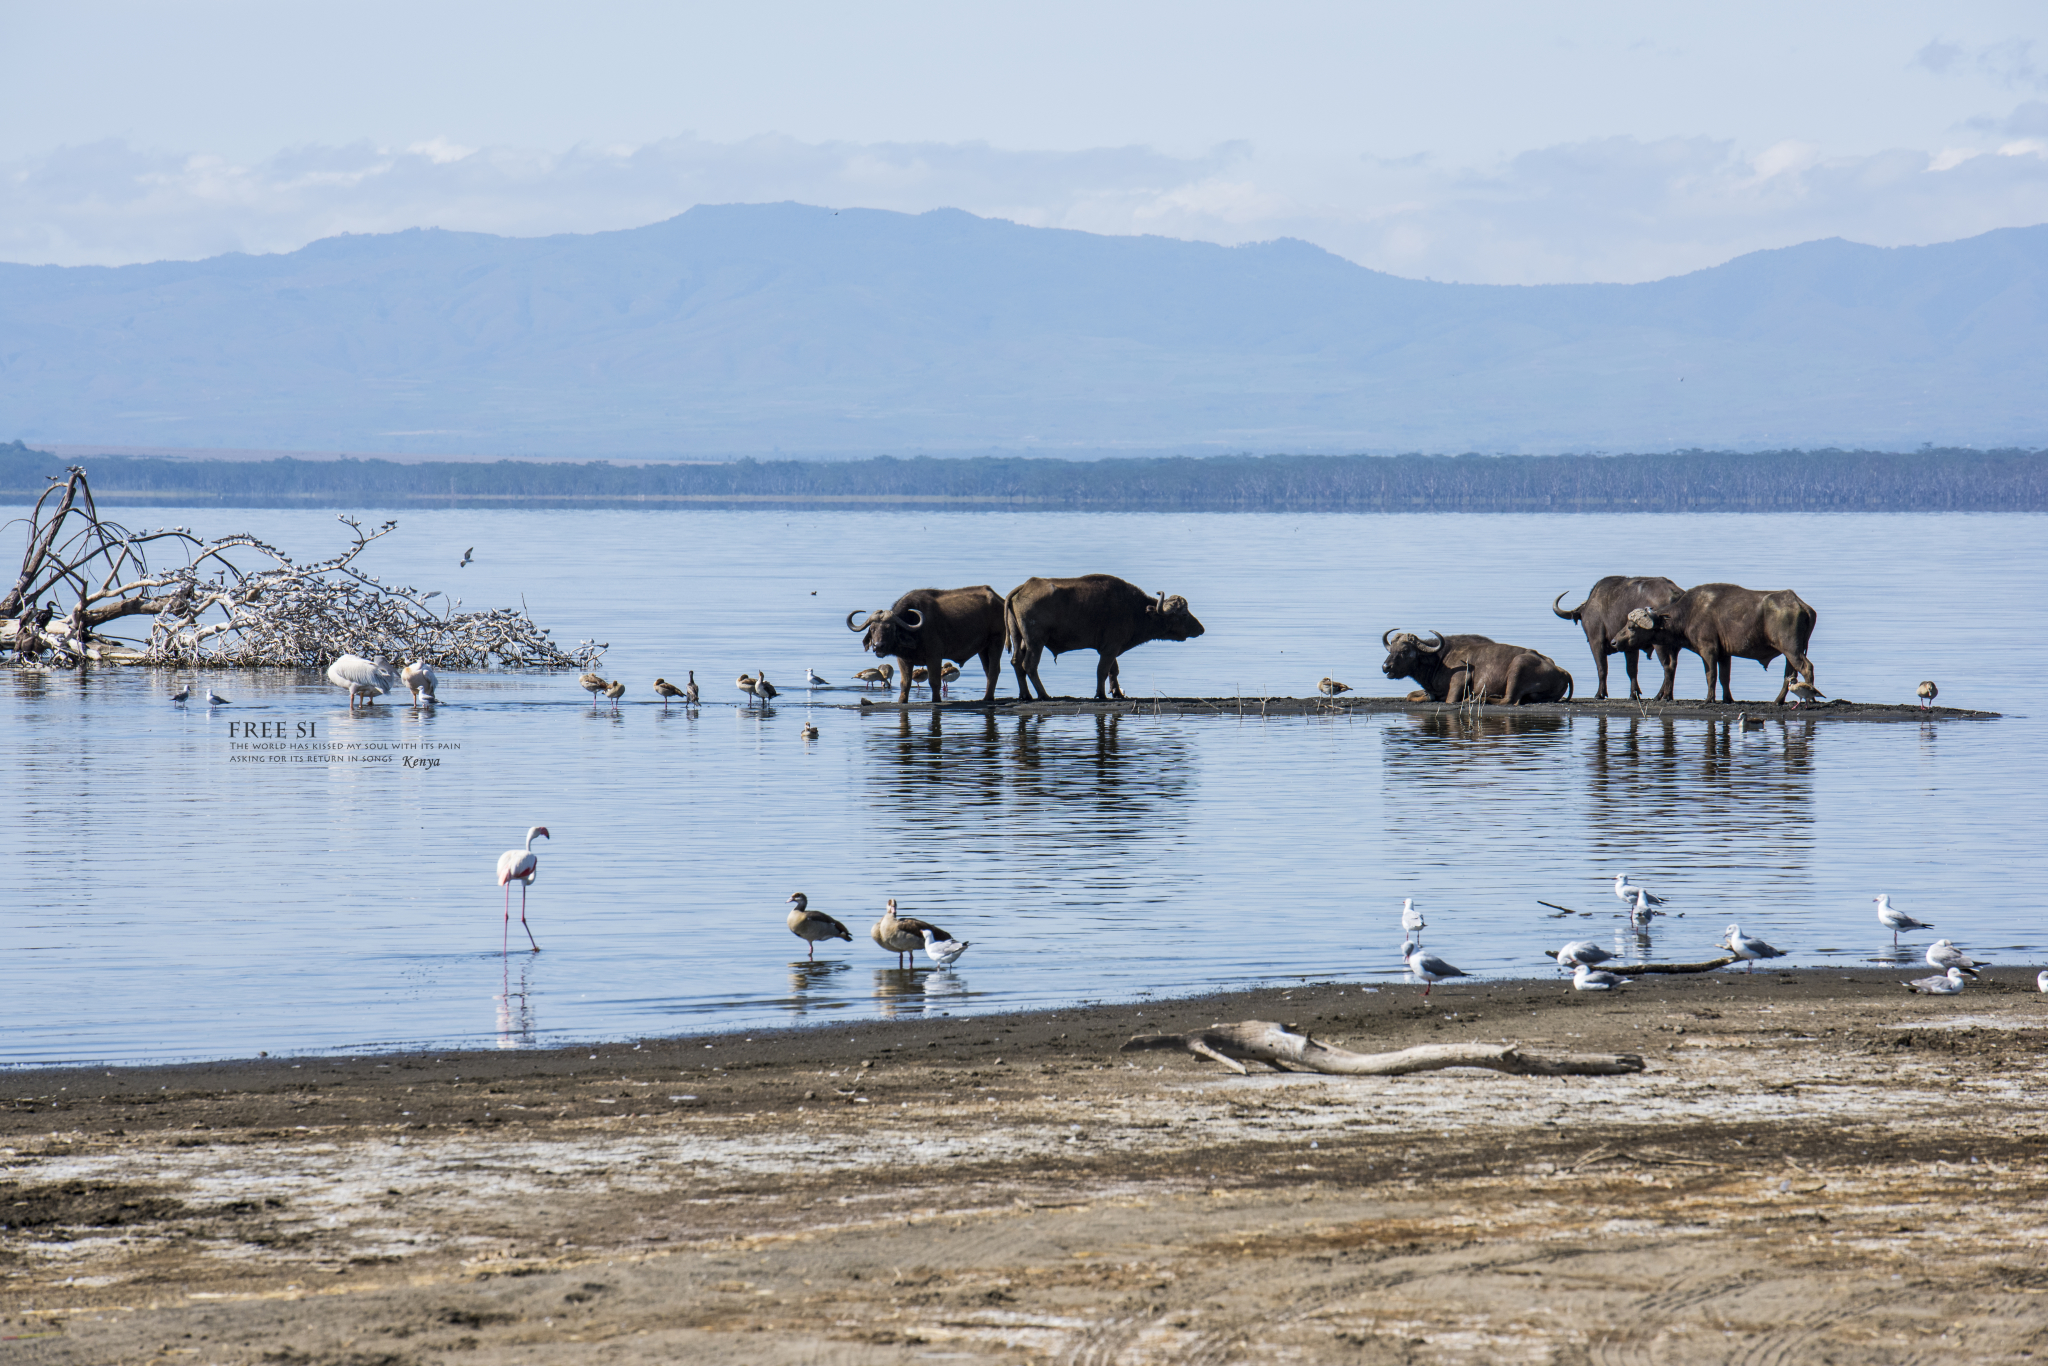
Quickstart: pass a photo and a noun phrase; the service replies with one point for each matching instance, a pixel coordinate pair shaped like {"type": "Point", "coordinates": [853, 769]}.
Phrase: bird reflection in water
{"type": "Point", "coordinates": [914, 991]}
{"type": "Point", "coordinates": [808, 977]}
{"type": "Point", "coordinates": [515, 1006]}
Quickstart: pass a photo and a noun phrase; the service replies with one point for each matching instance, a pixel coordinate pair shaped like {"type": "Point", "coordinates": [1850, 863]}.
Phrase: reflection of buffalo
{"type": "Point", "coordinates": [1098, 612]}
{"type": "Point", "coordinates": [929, 626]}
{"type": "Point", "coordinates": [1606, 610]}
{"type": "Point", "coordinates": [1475, 668]}
{"type": "Point", "coordinates": [1722, 623]}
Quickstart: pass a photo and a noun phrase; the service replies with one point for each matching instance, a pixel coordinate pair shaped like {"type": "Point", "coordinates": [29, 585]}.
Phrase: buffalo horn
{"type": "Point", "coordinates": [862, 626]}
{"type": "Point", "coordinates": [1568, 616]}
{"type": "Point", "coordinates": [912, 612]}
{"type": "Point", "coordinates": [1432, 649]}
{"type": "Point", "coordinates": [1387, 637]}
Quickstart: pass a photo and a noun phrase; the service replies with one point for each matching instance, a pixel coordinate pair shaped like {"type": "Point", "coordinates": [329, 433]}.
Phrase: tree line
{"type": "Point", "coordinates": [1926, 480]}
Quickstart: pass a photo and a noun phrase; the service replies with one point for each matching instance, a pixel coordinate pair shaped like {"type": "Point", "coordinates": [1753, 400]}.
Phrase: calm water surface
{"type": "Point", "coordinates": [162, 900]}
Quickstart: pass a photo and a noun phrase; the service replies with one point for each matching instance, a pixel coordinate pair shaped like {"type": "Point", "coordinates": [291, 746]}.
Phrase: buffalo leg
{"type": "Point", "coordinates": [903, 667]}
{"type": "Point", "coordinates": [1600, 667]}
{"type": "Point", "coordinates": [1634, 660]}
{"type": "Point", "coordinates": [1104, 665]}
{"type": "Point", "coordinates": [1727, 672]}
{"type": "Point", "coordinates": [992, 665]}
{"type": "Point", "coordinates": [1669, 659]}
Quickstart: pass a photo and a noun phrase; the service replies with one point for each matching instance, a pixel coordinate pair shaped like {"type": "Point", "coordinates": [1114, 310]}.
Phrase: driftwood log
{"type": "Point", "coordinates": [1283, 1048]}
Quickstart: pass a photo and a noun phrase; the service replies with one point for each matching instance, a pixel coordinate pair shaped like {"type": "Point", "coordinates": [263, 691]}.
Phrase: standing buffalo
{"type": "Point", "coordinates": [1604, 612]}
{"type": "Point", "coordinates": [1721, 623]}
{"type": "Point", "coordinates": [1098, 612]}
{"type": "Point", "coordinates": [929, 626]}
{"type": "Point", "coordinates": [1474, 668]}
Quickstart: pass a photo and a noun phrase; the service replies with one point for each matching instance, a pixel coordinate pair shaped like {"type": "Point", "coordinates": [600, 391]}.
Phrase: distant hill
{"type": "Point", "coordinates": [762, 328]}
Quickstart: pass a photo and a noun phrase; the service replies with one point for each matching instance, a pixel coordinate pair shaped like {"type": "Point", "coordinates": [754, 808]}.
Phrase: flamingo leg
{"type": "Point", "coordinates": [505, 940]}
{"type": "Point", "coordinates": [522, 914]}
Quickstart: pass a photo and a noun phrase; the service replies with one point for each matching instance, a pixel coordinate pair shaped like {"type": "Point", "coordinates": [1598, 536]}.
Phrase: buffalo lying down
{"type": "Point", "coordinates": [1475, 668]}
{"type": "Point", "coordinates": [1098, 612]}
{"type": "Point", "coordinates": [1721, 623]}
{"type": "Point", "coordinates": [928, 626]}
{"type": "Point", "coordinates": [1606, 610]}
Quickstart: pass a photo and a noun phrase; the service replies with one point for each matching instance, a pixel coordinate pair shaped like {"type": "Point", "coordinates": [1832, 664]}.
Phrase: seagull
{"type": "Point", "coordinates": [1430, 968]}
{"type": "Point", "coordinates": [809, 731]}
{"type": "Point", "coordinates": [214, 699]}
{"type": "Point", "coordinates": [690, 690]}
{"type": "Point", "coordinates": [2041, 981]}
{"type": "Point", "coordinates": [520, 866]}
{"type": "Point", "coordinates": [1948, 984]}
{"type": "Point", "coordinates": [1639, 911]}
{"type": "Point", "coordinates": [1627, 890]}
{"type": "Point", "coordinates": [1927, 692]}
{"type": "Point", "coordinates": [811, 926]}
{"type": "Point", "coordinates": [944, 952]}
{"type": "Point", "coordinates": [1412, 923]}
{"type": "Point", "coordinates": [1943, 953]}
{"type": "Point", "coordinates": [811, 679]}
{"type": "Point", "coordinates": [1896, 920]}
{"type": "Point", "coordinates": [1805, 692]}
{"type": "Point", "coordinates": [1585, 978]}
{"type": "Point", "coordinates": [182, 693]}
{"type": "Point", "coordinates": [1330, 687]}
{"type": "Point", "coordinates": [467, 556]}
{"type": "Point", "coordinates": [666, 691]}
{"type": "Point", "coordinates": [1747, 947]}
{"type": "Point", "coordinates": [1581, 953]}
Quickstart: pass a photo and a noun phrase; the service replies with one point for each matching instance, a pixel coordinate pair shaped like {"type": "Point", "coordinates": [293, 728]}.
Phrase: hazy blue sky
{"type": "Point", "coordinates": [1503, 142]}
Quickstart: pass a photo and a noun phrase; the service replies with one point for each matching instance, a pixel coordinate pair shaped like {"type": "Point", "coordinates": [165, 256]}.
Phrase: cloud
{"type": "Point", "coordinates": [2009, 62]}
{"type": "Point", "coordinates": [1605, 209]}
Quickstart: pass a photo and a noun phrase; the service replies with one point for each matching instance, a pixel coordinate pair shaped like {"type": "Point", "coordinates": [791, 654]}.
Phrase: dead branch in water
{"type": "Point", "coordinates": [1284, 1049]}
{"type": "Point", "coordinates": [238, 602]}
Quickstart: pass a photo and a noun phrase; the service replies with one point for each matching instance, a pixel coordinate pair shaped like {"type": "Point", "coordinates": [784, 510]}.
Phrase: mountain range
{"type": "Point", "coordinates": [753, 329]}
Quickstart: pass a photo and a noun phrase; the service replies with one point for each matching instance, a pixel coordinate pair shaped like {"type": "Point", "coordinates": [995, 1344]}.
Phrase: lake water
{"type": "Point", "coordinates": [161, 900]}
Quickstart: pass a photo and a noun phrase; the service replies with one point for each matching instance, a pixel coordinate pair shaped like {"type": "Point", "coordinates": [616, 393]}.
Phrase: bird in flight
{"type": "Point", "coordinates": [467, 556]}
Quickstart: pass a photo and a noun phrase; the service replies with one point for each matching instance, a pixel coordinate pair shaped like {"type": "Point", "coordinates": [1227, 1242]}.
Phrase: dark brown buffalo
{"type": "Point", "coordinates": [1098, 612]}
{"type": "Point", "coordinates": [1721, 623]}
{"type": "Point", "coordinates": [1475, 668]}
{"type": "Point", "coordinates": [929, 626]}
{"type": "Point", "coordinates": [1604, 612]}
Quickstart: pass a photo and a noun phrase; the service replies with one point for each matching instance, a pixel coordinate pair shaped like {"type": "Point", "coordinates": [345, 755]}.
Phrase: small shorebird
{"type": "Point", "coordinates": [1943, 953]}
{"type": "Point", "coordinates": [1894, 919]}
{"type": "Point", "coordinates": [1748, 947]}
{"type": "Point", "coordinates": [904, 934]}
{"type": "Point", "coordinates": [866, 677]}
{"type": "Point", "coordinates": [666, 691]}
{"type": "Point", "coordinates": [419, 677]}
{"type": "Point", "coordinates": [520, 866]}
{"type": "Point", "coordinates": [746, 684]}
{"type": "Point", "coordinates": [1330, 687]}
{"type": "Point", "coordinates": [1627, 890]}
{"type": "Point", "coordinates": [1927, 692]}
{"type": "Point", "coordinates": [808, 732]}
{"type": "Point", "coordinates": [1805, 692]}
{"type": "Point", "coordinates": [690, 690]}
{"type": "Point", "coordinates": [1581, 953]}
{"type": "Point", "coordinates": [764, 687]}
{"type": "Point", "coordinates": [944, 952]}
{"type": "Point", "coordinates": [812, 926]}
{"type": "Point", "coordinates": [1430, 968]}
{"type": "Point", "coordinates": [1586, 978]}
{"type": "Point", "coordinates": [811, 679]}
{"type": "Point", "coordinates": [182, 693]}
{"type": "Point", "coordinates": [591, 684]}
{"type": "Point", "coordinates": [1949, 983]}
{"type": "Point", "coordinates": [362, 678]}
{"type": "Point", "coordinates": [1412, 923]}
{"type": "Point", "coordinates": [614, 690]}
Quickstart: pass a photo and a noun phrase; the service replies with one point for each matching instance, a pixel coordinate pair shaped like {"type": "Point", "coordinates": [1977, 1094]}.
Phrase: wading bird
{"type": "Point", "coordinates": [1412, 923]}
{"type": "Point", "coordinates": [181, 694]}
{"type": "Point", "coordinates": [690, 690]}
{"type": "Point", "coordinates": [520, 865]}
{"type": "Point", "coordinates": [614, 690]}
{"type": "Point", "coordinates": [1949, 983]}
{"type": "Point", "coordinates": [811, 679]}
{"type": "Point", "coordinates": [591, 684]}
{"type": "Point", "coordinates": [944, 952]}
{"type": "Point", "coordinates": [903, 934]}
{"type": "Point", "coordinates": [766, 689]}
{"type": "Point", "coordinates": [1804, 692]}
{"type": "Point", "coordinates": [746, 684]}
{"type": "Point", "coordinates": [1748, 947]}
{"type": "Point", "coordinates": [812, 926]}
{"type": "Point", "coordinates": [1430, 968]}
{"type": "Point", "coordinates": [1927, 692]}
{"type": "Point", "coordinates": [1627, 890]}
{"type": "Point", "coordinates": [666, 691]}
{"type": "Point", "coordinates": [419, 676]}
{"type": "Point", "coordinates": [1639, 911]}
{"type": "Point", "coordinates": [1894, 919]}
{"type": "Point", "coordinates": [362, 678]}
{"type": "Point", "coordinates": [214, 699]}
{"type": "Point", "coordinates": [869, 677]}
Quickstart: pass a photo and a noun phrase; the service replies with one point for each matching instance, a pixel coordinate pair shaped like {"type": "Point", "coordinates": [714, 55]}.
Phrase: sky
{"type": "Point", "coordinates": [1485, 142]}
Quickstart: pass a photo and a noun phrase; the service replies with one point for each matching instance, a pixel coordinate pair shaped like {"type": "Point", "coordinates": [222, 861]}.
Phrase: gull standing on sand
{"type": "Point", "coordinates": [1586, 978]}
{"type": "Point", "coordinates": [1943, 953]}
{"type": "Point", "coordinates": [1430, 968]}
{"type": "Point", "coordinates": [1949, 984]}
{"type": "Point", "coordinates": [1748, 947]}
{"type": "Point", "coordinates": [1581, 953]}
{"type": "Point", "coordinates": [1627, 890]}
{"type": "Point", "coordinates": [812, 926]}
{"type": "Point", "coordinates": [944, 952]}
{"type": "Point", "coordinates": [1412, 923]}
{"type": "Point", "coordinates": [1894, 919]}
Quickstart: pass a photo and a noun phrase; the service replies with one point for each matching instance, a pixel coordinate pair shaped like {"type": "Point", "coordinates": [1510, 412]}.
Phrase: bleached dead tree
{"type": "Point", "coordinates": [239, 602]}
{"type": "Point", "coordinates": [1283, 1048]}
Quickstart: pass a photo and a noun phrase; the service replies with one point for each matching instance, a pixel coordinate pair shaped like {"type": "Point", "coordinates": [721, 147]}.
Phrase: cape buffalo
{"type": "Point", "coordinates": [1475, 668]}
{"type": "Point", "coordinates": [929, 626]}
{"type": "Point", "coordinates": [1721, 622]}
{"type": "Point", "coordinates": [1098, 612]}
{"type": "Point", "coordinates": [1604, 612]}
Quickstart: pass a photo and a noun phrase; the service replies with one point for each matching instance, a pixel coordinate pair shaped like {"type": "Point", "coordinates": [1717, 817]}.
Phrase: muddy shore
{"type": "Point", "coordinates": [1814, 1166]}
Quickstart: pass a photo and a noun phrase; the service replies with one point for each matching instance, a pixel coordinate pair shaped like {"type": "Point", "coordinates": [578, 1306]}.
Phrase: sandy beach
{"type": "Point", "coordinates": [1813, 1166]}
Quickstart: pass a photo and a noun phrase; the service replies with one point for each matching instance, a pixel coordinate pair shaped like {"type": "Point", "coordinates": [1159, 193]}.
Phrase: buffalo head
{"type": "Point", "coordinates": [1405, 651]}
{"type": "Point", "coordinates": [889, 632]}
{"type": "Point", "coordinates": [1639, 631]}
{"type": "Point", "coordinates": [1172, 619]}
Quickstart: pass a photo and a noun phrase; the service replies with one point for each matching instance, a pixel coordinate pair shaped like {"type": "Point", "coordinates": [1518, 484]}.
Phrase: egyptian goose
{"type": "Point", "coordinates": [903, 934]}
{"type": "Point", "coordinates": [812, 926]}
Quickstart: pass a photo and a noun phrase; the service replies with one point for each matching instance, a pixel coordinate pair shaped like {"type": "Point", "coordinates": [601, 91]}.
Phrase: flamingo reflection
{"type": "Point", "coordinates": [515, 1007]}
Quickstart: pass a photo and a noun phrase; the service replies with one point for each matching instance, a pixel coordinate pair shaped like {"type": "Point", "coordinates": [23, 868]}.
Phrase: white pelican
{"type": "Point", "coordinates": [1949, 983]}
{"type": "Point", "coordinates": [1943, 953]}
{"type": "Point", "coordinates": [690, 691]}
{"type": "Point", "coordinates": [361, 677]}
{"type": "Point", "coordinates": [1894, 919]}
{"type": "Point", "coordinates": [811, 679]}
{"type": "Point", "coordinates": [520, 865]}
{"type": "Point", "coordinates": [1330, 687]}
{"type": "Point", "coordinates": [1585, 978]}
{"type": "Point", "coordinates": [1430, 968]}
{"type": "Point", "coordinates": [1627, 890]}
{"type": "Point", "coordinates": [1748, 947]}
{"type": "Point", "coordinates": [811, 926]}
{"type": "Point", "coordinates": [903, 934]}
{"type": "Point", "coordinates": [666, 691]}
{"type": "Point", "coordinates": [1805, 692]}
{"type": "Point", "coordinates": [944, 952]}
{"type": "Point", "coordinates": [1581, 953]}
{"type": "Point", "coordinates": [1927, 692]}
{"type": "Point", "coordinates": [419, 677]}
{"type": "Point", "coordinates": [1412, 923]}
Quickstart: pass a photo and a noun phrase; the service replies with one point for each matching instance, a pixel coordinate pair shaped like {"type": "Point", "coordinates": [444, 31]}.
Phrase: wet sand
{"type": "Point", "coordinates": [1814, 1166]}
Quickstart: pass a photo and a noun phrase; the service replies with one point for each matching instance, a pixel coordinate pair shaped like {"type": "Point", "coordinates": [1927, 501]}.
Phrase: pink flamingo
{"type": "Point", "coordinates": [520, 865]}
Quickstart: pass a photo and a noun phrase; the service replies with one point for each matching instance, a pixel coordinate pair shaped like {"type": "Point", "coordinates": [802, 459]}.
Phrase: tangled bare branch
{"type": "Point", "coordinates": [239, 602]}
